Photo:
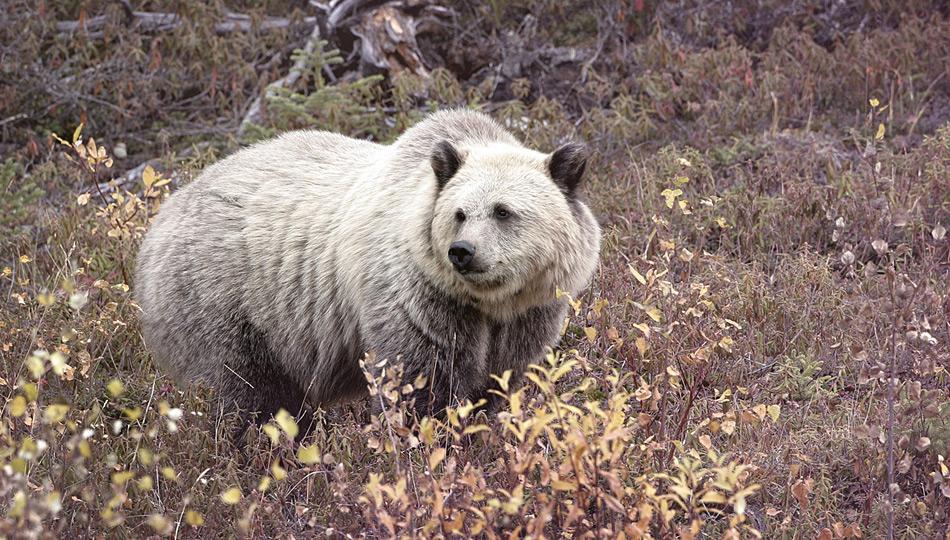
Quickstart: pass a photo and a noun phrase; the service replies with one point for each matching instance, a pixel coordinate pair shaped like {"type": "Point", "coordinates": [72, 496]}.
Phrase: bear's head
{"type": "Point", "coordinates": [508, 227]}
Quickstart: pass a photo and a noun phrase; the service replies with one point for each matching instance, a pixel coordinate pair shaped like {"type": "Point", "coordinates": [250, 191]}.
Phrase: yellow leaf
{"type": "Point", "coordinates": [55, 413]}
{"type": "Point", "coordinates": [115, 387]}
{"type": "Point", "coordinates": [83, 199]}
{"type": "Point", "coordinates": [466, 409]}
{"type": "Point", "coordinates": [132, 414]}
{"type": "Point", "coordinates": [18, 406]}
{"type": "Point", "coordinates": [194, 518]}
{"type": "Point", "coordinates": [874, 102]}
{"type": "Point", "coordinates": [614, 335]}
{"type": "Point", "coordinates": [706, 441]}
{"type": "Point", "coordinates": [25, 259]}
{"type": "Point", "coordinates": [77, 133]}
{"type": "Point", "coordinates": [642, 345]}
{"type": "Point", "coordinates": [36, 364]}
{"type": "Point", "coordinates": [732, 323]}
{"type": "Point", "coordinates": [231, 496]}
{"type": "Point", "coordinates": [58, 363]}
{"type": "Point", "coordinates": [373, 487]}
{"type": "Point", "coordinates": [146, 457]}
{"type": "Point", "coordinates": [477, 428]}
{"type": "Point", "coordinates": [120, 478]}
{"type": "Point", "coordinates": [169, 474]}
{"type": "Point", "coordinates": [308, 454]}
{"type": "Point", "coordinates": [514, 403]}
{"type": "Point", "coordinates": [774, 411]}
{"type": "Point", "coordinates": [880, 132]}
{"type": "Point", "coordinates": [30, 390]}
{"type": "Point", "coordinates": [729, 427]}
{"type": "Point", "coordinates": [759, 410]}
{"type": "Point", "coordinates": [19, 465]}
{"type": "Point", "coordinates": [714, 497]}
{"type": "Point", "coordinates": [19, 504]}
{"type": "Point", "coordinates": [504, 380]}
{"type": "Point", "coordinates": [148, 176]}
{"type": "Point", "coordinates": [591, 333]}
{"type": "Point", "coordinates": [145, 483]}
{"type": "Point", "coordinates": [639, 277]}
{"type": "Point", "coordinates": [436, 457]}
{"type": "Point", "coordinates": [159, 523]}
{"type": "Point", "coordinates": [272, 433]}
{"type": "Point", "coordinates": [287, 423]}
{"type": "Point", "coordinates": [54, 501]}
{"type": "Point", "coordinates": [670, 195]}
{"type": "Point", "coordinates": [278, 472]}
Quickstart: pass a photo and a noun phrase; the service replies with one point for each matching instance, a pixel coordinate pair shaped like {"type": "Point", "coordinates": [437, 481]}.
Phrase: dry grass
{"type": "Point", "coordinates": [775, 198]}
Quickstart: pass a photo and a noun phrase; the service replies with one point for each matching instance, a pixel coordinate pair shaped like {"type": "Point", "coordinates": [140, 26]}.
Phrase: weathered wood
{"type": "Point", "coordinates": [147, 21]}
{"type": "Point", "coordinates": [387, 34]}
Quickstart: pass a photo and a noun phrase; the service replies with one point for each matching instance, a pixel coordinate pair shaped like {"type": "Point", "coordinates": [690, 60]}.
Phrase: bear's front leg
{"type": "Point", "coordinates": [448, 353]}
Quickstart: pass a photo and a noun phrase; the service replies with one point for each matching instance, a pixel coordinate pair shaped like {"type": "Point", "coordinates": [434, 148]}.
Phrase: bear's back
{"type": "Point", "coordinates": [249, 242]}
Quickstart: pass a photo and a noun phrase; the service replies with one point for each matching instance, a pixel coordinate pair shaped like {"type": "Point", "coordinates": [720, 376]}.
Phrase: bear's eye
{"type": "Point", "coordinates": [459, 216]}
{"type": "Point", "coordinates": [502, 213]}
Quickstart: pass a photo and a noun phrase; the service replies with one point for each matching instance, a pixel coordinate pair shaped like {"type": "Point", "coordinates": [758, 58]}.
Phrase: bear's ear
{"type": "Point", "coordinates": [446, 161]}
{"type": "Point", "coordinates": [567, 165]}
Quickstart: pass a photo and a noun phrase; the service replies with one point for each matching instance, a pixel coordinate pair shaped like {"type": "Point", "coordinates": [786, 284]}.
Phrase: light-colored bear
{"type": "Point", "coordinates": [272, 274]}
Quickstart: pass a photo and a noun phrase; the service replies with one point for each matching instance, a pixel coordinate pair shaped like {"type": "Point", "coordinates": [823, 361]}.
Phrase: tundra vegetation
{"type": "Point", "coordinates": [763, 351]}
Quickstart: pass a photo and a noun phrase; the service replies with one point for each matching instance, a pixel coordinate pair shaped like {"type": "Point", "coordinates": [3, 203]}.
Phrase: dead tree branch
{"type": "Point", "coordinates": [153, 22]}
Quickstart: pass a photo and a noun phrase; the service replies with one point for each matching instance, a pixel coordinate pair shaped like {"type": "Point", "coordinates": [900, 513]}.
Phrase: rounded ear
{"type": "Point", "coordinates": [445, 161]}
{"type": "Point", "coordinates": [566, 166]}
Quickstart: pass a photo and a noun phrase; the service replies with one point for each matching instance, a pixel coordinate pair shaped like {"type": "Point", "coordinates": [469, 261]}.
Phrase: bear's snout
{"type": "Point", "coordinates": [461, 255]}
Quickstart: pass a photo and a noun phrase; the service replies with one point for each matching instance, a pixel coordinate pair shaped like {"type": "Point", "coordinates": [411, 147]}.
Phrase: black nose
{"type": "Point", "coordinates": [461, 255]}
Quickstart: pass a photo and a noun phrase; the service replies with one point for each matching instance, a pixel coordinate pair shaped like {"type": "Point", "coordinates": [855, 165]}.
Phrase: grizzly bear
{"type": "Point", "coordinates": [272, 274]}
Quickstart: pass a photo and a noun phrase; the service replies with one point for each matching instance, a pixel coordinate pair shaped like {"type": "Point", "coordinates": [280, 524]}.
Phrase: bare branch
{"type": "Point", "coordinates": [147, 21]}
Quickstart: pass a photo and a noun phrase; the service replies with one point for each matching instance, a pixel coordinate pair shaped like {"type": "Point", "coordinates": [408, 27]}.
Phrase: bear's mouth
{"type": "Point", "coordinates": [482, 279]}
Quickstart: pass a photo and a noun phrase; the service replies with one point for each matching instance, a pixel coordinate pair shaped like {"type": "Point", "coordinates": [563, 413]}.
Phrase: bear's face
{"type": "Point", "coordinates": [506, 220]}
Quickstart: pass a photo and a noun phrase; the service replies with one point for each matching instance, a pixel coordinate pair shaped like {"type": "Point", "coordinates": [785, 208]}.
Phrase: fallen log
{"type": "Point", "coordinates": [151, 22]}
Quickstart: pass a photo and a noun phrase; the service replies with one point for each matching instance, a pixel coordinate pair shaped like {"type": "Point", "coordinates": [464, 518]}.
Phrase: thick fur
{"type": "Point", "coordinates": [275, 271]}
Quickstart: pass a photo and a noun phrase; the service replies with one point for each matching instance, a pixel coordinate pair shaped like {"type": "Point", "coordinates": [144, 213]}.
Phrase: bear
{"type": "Point", "coordinates": [273, 273]}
